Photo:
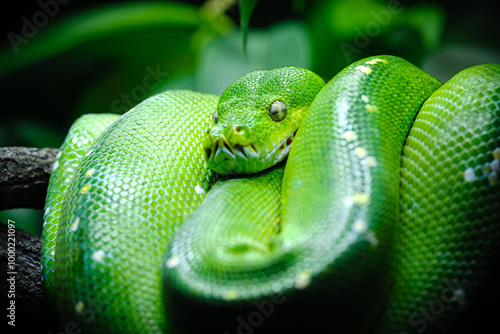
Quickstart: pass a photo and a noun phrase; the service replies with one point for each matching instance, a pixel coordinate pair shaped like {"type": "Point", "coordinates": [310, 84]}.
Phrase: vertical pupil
{"type": "Point", "coordinates": [277, 111]}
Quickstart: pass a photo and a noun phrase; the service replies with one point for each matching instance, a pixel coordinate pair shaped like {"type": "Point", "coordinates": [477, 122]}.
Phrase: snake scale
{"type": "Point", "coordinates": [369, 204]}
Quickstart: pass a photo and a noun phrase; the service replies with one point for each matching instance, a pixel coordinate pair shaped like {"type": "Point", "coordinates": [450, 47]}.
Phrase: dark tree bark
{"type": "Point", "coordinates": [20, 283]}
{"type": "Point", "coordinates": [24, 177]}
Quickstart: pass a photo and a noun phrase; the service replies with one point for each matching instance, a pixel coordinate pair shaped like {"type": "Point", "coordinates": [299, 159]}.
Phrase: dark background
{"type": "Point", "coordinates": [41, 98]}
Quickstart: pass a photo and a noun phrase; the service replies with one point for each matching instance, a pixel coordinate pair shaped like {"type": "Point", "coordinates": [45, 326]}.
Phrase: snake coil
{"type": "Point", "coordinates": [383, 218]}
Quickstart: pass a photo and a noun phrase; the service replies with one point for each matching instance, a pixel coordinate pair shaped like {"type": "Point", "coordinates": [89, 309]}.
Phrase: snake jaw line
{"type": "Point", "coordinates": [232, 155]}
{"type": "Point", "coordinates": [281, 150]}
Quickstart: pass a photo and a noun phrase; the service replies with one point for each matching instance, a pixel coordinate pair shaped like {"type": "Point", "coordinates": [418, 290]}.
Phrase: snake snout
{"type": "Point", "coordinates": [238, 135]}
{"type": "Point", "coordinates": [231, 149]}
{"type": "Point", "coordinates": [220, 154]}
{"type": "Point", "coordinates": [231, 141]}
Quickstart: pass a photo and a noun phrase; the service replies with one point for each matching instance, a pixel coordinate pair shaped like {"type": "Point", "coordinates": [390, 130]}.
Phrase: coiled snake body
{"type": "Point", "coordinates": [377, 214]}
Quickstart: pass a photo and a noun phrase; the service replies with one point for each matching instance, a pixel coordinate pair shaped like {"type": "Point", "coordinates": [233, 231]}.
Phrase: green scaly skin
{"type": "Point", "coordinates": [80, 137]}
{"type": "Point", "coordinates": [138, 181]}
{"type": "Point", "coordinates": [447, 257]}
{"type": "Point", "coordinates": [327, 255]}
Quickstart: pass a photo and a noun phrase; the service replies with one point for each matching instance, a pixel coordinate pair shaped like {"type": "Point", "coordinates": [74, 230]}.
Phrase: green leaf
{"type": "Point", "coordinates": [368, 19]}
{"type": "Point", "coordinates": [246, 9]}
{"type": "Point", "coordinates": [96, 24]}
{"type": "Point", "coordinates": [347, 30]}
{"type": "Point", "coordinates": [222, 61]}
{"type": "Point", "coordinates": [428, 20]}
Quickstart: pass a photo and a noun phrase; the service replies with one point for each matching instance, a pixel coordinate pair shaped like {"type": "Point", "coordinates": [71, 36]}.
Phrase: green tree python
{"type": "Point", "coordinates": [369, 204]}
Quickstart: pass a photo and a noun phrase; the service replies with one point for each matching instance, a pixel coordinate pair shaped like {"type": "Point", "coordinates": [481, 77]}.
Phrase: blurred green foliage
{"type": "Point", "coordinates": [62, 59]}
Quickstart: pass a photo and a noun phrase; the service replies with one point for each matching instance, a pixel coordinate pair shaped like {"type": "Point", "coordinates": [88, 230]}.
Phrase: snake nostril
{"type": "Point", "coordinates": [239, 129]}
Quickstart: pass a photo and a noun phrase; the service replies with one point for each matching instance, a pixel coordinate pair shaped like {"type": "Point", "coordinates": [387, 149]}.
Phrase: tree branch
{"type": "Point", "coordinates": [21, 284]}
{"type": "Point", "coordinates": [24, 177]}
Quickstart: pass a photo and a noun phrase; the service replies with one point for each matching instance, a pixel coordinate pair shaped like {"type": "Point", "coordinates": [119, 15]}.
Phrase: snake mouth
{"type": "Point", "coordinates": [234, 158]}
{"type": "Point", "coordinates": [227, 158]}
{"type": "Point", "coordinates": [222, 147]}
{"type": "Point", "coordinates": [284, 147]}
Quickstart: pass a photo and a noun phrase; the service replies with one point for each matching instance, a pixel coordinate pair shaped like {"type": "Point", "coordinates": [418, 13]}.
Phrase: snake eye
{"type": "Point", "coordinates": [215, 117]}
{"type": "Point", "coordinates": [277, 112]}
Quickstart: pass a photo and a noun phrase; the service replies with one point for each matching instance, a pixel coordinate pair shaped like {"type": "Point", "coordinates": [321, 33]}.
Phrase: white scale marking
{"type": "Point", "coordinates": [55, 166]}
{"type": "Point", "coordinates": [199, 190]}
{"type": "Point", "coordinates": [98, 255]}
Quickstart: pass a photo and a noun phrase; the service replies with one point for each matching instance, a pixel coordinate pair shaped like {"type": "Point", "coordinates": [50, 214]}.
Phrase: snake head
{"type": "Point", "coordinates": [257, 118]}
